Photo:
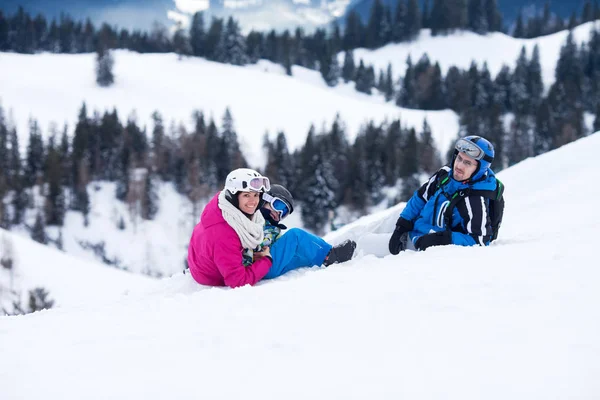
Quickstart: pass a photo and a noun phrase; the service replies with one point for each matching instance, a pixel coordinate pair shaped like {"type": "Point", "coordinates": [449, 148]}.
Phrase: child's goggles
{"type": "Point", "coordinates": [277, 204]}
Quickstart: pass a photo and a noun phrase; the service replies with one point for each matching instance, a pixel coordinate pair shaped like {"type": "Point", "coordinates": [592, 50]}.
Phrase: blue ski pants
{"type": "Point", "coordinates": [296, 249]}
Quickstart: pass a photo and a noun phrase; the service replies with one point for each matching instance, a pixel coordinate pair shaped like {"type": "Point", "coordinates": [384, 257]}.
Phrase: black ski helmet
{"type": "Point", "coordinates": [283, 194]}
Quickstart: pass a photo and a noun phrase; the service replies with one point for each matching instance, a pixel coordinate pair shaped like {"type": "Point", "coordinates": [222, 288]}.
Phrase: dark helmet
{"type": "Point", "coordinates": [478, 148]}
{"type": "Point", "coordinates": [283, 194]}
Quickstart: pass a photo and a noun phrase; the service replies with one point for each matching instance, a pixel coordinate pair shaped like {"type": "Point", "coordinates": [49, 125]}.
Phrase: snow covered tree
{"type": "Point", "coordinates": [197, 35]}
{"type": "Point", "coordinates": [34, 162]}
{"type": "Point", "coordinates": [319, 196]}
{"type": "Point", "coordinates": [104, 67]}
{"type": "Point", "coordinates": [39, 300]}
{"type": "Point", "coordinates": [232, 45]}
{"type": "Point", "coordinates": [348, 69]}
{"type": "Point", "coordinates": [38, 231]}
{"type": "Point", "coordinates": [429, 156]}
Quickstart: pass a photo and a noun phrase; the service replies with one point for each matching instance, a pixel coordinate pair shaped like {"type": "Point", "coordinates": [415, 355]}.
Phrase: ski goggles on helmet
{"type": "Point", "coordinates": [257, 184]}
{"type": "Point", "coordinates": [469, 148]}
{"type": "Point", "coordinates": [277, 204]}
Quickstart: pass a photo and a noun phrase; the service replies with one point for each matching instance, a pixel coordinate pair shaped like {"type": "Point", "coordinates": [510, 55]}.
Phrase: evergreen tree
{"type": "Point", "coordinates": [232, 45]}
{"type": "Point", "coordinates": [596, 126]}
{"type": "Point", "coordinates": [213, 38]}
{"type": "Point", "coordinates": [320, 196]}
{"type": "Point", "coordinates": [348, 70]}
{"type": "Point", "coordinates": [38, 300]}
{"type": "Point", "coordinates": [407, 93]}
{"type": "Point", "coordinates": [34, 163]}
{"type": "Point", "coordinates": [330, 70]}
{"type": "Point", "coordinates": [520, 101]}
{"type": "Point", "coordinates": [391, 152]}
{"type": "Point", "coordinates": [55, 206]}
{"type": "Point", "coordinates": [478, 19]}
{"type": "Point", "coordinates": [544, 129]}
{"type": "Point", "coordinates": [502, 89]}
{"type": "Point", "coordinates": [535, 85]}
{"type": "Point", "coordinates": [388, 86]}
{"type": "Point", "coordinates": [413, 20]}
{"type": "Point", "coordinates": [519, 31]}
{"type": "Point", "coordinates": [399, 28]}
{"type": "Point", "coordinates": [587, 13]}
{"type": "Point", "coordinates": [354, 32]}
{"type": "Point", "coordinates": [150, 201]}
{"type": "Point", "coordinates": [104, 67]}
{"type": "Point", "coordinates": [356, 194]}
{"type": "Point", "coordinates": [425, 17]}
{"type": "Point", "coordinates": [198, 35]}
{"type": "Point", "coordinates": [457, 90]}
{"type": "Point", "coordinates": [38, 231]}
{"type": "Point", "coordinates": [409, 166]}
{"type": "Point", "coordinates": [230, 155]}
{"type": "Point", "coordinates": [429, 157]}
{"type": "Point", "coordinates": [181, 42]}
{"type": "Point", "coordinates": [493, 16]}
{"type": "Point", "coordinates": [375, 33]}
{"type": "Point", "coordinates": [364, 80]}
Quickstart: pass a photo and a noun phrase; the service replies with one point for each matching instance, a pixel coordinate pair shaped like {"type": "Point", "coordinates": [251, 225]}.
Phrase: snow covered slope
{"type": "Point", "coordinates": [69, 280]}
{"type": "Point", "coordinates": [518, 319]}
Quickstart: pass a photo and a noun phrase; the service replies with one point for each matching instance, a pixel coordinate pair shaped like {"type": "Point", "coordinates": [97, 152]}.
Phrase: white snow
{"type": "Point", "coordinates": [518, 319]}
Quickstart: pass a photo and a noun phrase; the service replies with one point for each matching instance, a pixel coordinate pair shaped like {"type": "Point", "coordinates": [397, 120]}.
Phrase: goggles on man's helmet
{"type": "Point", "coordinates": [277, 204]}
{"type": "Point", "coordinates": [469, 148]}
{"type": "Point", "coordinates": [257, 184]}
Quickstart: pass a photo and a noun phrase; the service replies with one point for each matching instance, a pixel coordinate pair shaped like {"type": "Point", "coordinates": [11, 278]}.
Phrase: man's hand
{"type": "Point", "coordinates": [434, 239]}
{"type": "Point", "coordinates": [396, 244]}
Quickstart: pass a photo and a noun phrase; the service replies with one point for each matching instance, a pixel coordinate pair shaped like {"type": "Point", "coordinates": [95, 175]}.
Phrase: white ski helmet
{"type": "Point", "coordinates": [246, 180]}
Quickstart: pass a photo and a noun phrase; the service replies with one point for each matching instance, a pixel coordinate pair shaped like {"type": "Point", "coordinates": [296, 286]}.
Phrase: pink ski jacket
{"type": "Point", "coordinates": [215, 252]}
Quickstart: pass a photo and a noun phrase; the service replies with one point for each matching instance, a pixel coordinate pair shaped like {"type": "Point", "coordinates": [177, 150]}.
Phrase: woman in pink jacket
{"type": "Point", "coordinates": [225, 248]}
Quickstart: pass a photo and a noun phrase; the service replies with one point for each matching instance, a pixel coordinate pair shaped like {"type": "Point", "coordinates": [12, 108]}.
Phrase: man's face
{"type": "Point", "coordinates": [464, 167]}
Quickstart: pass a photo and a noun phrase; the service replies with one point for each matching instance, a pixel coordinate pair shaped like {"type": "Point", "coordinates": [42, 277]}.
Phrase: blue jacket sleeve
{"type": "Point", "coordinates": [421, 196]}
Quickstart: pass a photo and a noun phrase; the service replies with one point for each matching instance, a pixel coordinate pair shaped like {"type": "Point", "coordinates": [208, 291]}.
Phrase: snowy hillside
{"type": "Point", "coordinates": [461, 48]}
{"type": "Point", "coordinates": [518, 319]}
{"type": "Point", "coordinates": [69, 280]}
{"type": "Point", "coordinates": [261, 97]}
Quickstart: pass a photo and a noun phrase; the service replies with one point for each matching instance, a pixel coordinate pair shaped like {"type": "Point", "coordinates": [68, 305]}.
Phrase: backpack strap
{"type": "Point", "coordinates": [495, 194]}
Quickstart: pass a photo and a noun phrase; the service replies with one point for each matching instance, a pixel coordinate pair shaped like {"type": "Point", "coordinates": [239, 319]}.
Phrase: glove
{"type": "Point", "coordinates": [434, 239]}
{"type": "Point", "coordinates": [403, 226]}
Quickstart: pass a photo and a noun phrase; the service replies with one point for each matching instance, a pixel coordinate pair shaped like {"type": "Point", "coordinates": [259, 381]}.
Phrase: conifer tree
{"type": "Point", "coordinates": [320, 195]}
{"type": "Point", "coordinates": [429, 157]}
{"type": "Point", "coordinates": [354, 32]}
{"type": "Point", "coordinates": [34, 164]}
{"type": "Point", "coordinates": [478, 20]}
{"type": "Point", "coordinates": [330, 70]}
{"type": "Point", "coordinates": [493, 16]}
{"type": "Point", "coordinates": [181, 42]}
{"type": "Point", "coordinates": [392, 151]}
{"type": "Point", "coordinates": [150, 201]}
{"type": "Point", "coordinates": [104, 67]}
{"type": "Point", "coordinates": [375, 33]}
{"type": "Point", "coordinates": [55, 199]}
{"type": "Point", "coordinates": [407, 95]}
{"type": "Point", "coordinates": [596, 126]}
{"type": "Point", "coordinates": [213, 37]}
{"type": "Point", "coordinates": [38, 231]}
{"type": "Point", "coordinates": [502, 89]}
{"type": "Point", "coordinates": [425, 17]}
{"type": "Point", "coordinates": [388, 87]}
{"type": "Point", "coordinates": [413, 20]}
{"type": "Point", "coordinates": [230, 155]}
{"type": "Point", "coordinates": [348, 70]}
{"type": "Point", "coordinates": [544, 129]}
{"type": "Point", "coordinates": [518, 89]}
{"type": "Point", "coordinates": [231, 48]}
{"type": "Point", "coordinates": [535, 85]}
{"type": "Point", "coordinates": [400, 29]}
{"type": "Point", "coordinates": [198, 35]}
{"type": "Point", "coordinates": [409, 166]}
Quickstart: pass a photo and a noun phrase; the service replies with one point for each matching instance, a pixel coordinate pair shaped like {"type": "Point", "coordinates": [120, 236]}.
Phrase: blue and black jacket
{"type": "Point", "coordinates": [470, 223]}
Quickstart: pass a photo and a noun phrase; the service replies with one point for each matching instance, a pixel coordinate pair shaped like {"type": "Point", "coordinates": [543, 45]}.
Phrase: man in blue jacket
{"type": "Point", "coordinates": [424, 221]}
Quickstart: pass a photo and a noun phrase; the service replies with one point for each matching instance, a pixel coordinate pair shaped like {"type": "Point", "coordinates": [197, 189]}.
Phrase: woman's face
{"type": "Point", "coordinates": [248, 201]}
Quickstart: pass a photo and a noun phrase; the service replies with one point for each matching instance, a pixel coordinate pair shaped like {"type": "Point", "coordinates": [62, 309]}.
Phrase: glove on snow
{"type": "Point", "coordinates": [434, 239]}
{"type": "Point", "coordinates": [397, 244]}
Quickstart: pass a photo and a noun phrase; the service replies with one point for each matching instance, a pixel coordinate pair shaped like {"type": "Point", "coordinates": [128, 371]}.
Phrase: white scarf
{"type": "Point", "coordinates": [250, 231]}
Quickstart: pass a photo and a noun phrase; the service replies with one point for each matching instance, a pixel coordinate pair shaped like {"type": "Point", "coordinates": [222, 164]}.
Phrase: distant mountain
{"type": "Point", "coordinates": [252, 14]}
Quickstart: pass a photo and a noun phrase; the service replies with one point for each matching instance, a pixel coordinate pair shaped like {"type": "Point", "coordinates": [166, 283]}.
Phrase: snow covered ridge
{"type": "Point", "coordinates": [518, 319]}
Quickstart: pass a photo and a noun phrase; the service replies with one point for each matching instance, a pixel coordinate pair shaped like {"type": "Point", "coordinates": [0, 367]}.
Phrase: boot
{"type": "Point", "coordinates": [340, 253]}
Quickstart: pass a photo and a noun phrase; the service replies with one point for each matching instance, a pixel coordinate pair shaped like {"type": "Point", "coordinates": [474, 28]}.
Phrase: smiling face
{"type": "Point", "coordinates": [464, 167]}
{"type": "Point", "coordinates": [248, 202]}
